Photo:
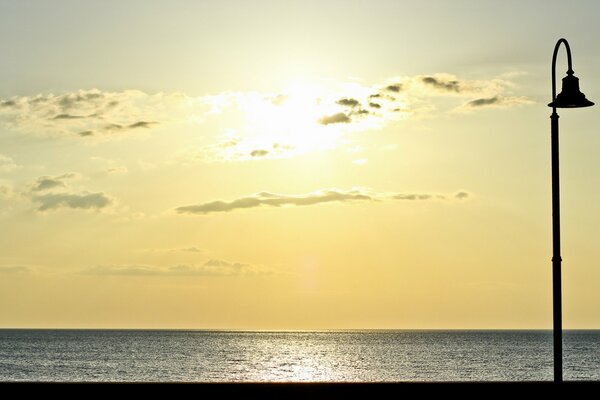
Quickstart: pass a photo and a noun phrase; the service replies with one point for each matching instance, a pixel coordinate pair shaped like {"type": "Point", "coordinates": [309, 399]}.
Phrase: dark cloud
{"type": "Point", "coordinates": [374, 105]}
{"type": "Point", "coordinates": [276, 200]}
{"type": "Point", "coordinates": [8, 103]}
{"type": "Point", "coordinates": [359, 112]}
{"type": "Point", "coordinates": [47, 183]}
{"type": "Point", "coordinates": [86, 133]}
{"type": "Point", "coordinates": [68, 116]}
{"type": "Point", "coordinates": [348, 102]}
{"type": "Point", "coordinates": [375, 96]}
{"type": "Point", "coordinates": [70, 100]}
{"type": "Point", "coordinates": [462, 195]}
{"type": "Point", "coordinates": [142, 124]}
{"type": "Point", "coordinates": [84, 201]}
{"type": "Point", "coordinates": [113, 127]}
{"type": "Point", "coordinates": [451, 86]}
{"type": "Point", "coordinates": [259, 153]}
{"type": "Point", "coordinates": [394, 88]}
{"type": "Point", "coordinates": [135, 125]}
{"type": "Point", "coordinates": [51, 182]}
{"type": "Point", "coordinates": [339, 118]}
{"type": "Point", "coordinates": [484, 102]}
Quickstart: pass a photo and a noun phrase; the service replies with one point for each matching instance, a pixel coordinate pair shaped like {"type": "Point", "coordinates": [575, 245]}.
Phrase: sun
{"type": "Point", "coordinates": [287, 123]}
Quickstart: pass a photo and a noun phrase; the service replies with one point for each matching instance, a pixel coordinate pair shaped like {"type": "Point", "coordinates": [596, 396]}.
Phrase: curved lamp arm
{"type": "Point", "coordinates": [569, 71]}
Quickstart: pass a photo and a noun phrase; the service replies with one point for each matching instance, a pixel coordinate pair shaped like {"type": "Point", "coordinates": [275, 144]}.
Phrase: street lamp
{"type": "Point", "coordinates": [569, 97]}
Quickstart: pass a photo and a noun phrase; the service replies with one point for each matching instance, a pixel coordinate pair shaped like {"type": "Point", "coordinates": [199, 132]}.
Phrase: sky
{"type": "Point", "coordinates": [294, 165]}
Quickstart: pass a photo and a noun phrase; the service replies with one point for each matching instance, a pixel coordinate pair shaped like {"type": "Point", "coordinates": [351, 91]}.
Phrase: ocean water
{"type": "Point", "coordinates": [221, 356]}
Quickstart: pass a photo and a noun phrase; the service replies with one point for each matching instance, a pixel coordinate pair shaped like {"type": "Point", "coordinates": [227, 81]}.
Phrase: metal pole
{"type": "Point", "coordinates": [556, 258]}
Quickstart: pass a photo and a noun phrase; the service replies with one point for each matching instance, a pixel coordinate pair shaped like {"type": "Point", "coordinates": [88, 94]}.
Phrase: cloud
{"type": "Point", "coordinates": [141, 124]}
{"type": "Point", "coordinates": [85, 201]}
{"type": "Point", "coordinates": [193, 249]}
{"type": "Point", "coordinates": [484, 102]}
{"type": "Point", "coordinates": [68, 116]}
{"type": "Point", "coordinates": [277, 200]}
{"type": "Point", "coordinates": [318, 197]}
{"type": "Point", "coordinates": [119, 127]}
{"type": "Point", "coordinates": [394, 88]}
{"type": "Point", "coordinates": [431, 196]}
{"type": "Point", "coordinates": [315, 118]}
{"type": "Point", "coordinates": [359, 111]}
{"type": "Point", "coordinates": [259, 153]}
{"type": "Point", "coordinates": [497, 101]}
{"type": "Point", "coordinates": [96, 114]}
{"type": "Point", "coordinates": [53, 192]}
{"type": "Point", "coordinates": [278, 99]}
{"type": "Point", "coordinates": [117, 170]}
{"type": "Point", "coordinates": [348, 102]}
{"type": "Point", "coordinates": [6, 191]}
{"type": "Point", "coordinates": [335, 119]}
{"type": "Point", "coordinates": [418, 196]}
{"type": "Point", "coordinates": [448, 85]}
{"type": "Point", "coordinates": [14, 269]}
{"type": "Point", "coordinates": [48, 182]}
{"type": "Point", "coordinates": [212, 267]}
{"type": "Point", "coordinates": [7, 164]}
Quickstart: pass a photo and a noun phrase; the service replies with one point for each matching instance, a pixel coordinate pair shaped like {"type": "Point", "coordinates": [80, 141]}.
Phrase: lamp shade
{"type": "Point", "coordinates": [570, 96]}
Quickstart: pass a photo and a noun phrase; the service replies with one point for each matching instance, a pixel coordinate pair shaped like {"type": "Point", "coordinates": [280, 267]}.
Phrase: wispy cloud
{"type": "Point", "coordinates": [294, 121]}
{"type": "Point", "coordinates": [313, 198]}
{"type": "Point", "coordinates": [94, 113]}
{"type": "Point", "coordinates": [189, 249]}
{"type": "Point", "coordinates": [497, 101]}
{"type": "Point", "coordinates": [431, 196]}
{"type": "Point", "coordinates": [276, 200]}
{"type": "Point", "coordinates": [214, 267]}
{"type": "Point", "coordinates": [14, 269]}
{"type": "Point", "coordinates": [7, 164]}
{"type": "Point", "coordinates": [6, 191]}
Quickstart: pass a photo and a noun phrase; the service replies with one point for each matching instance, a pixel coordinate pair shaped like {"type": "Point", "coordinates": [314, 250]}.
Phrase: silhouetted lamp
{"type": "Point", "coordinates": [569, 97]}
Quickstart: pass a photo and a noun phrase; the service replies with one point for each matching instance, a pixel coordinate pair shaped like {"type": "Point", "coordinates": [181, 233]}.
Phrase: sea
{"type": "Point", "coordinates": [308, 356]}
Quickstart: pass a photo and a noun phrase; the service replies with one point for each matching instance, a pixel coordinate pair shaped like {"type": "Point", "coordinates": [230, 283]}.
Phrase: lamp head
{"type": "Point", "coordinates": [570, 96]}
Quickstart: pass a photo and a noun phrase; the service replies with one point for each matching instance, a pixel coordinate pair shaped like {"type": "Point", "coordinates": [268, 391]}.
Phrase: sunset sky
{"type": "Point", "coordinates": [294, 164]}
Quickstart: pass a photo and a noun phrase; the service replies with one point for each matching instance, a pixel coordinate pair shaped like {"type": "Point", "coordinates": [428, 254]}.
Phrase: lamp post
{"type": "Point", "coordinates": [569, 97]}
